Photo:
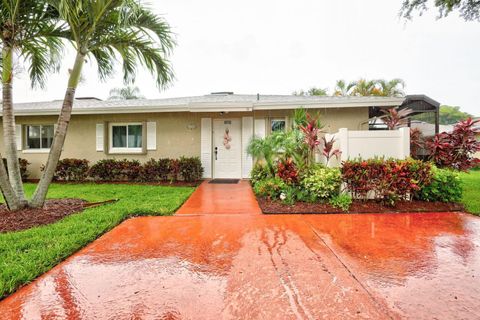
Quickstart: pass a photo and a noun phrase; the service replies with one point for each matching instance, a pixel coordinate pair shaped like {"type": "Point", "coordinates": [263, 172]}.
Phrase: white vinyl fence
{"type": "Point", "coordinates": [371, 144]}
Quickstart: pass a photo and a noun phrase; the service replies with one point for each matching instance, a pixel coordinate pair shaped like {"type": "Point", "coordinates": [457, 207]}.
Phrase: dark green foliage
{"type": "Point", "coordinates": [259, 172]}
{"type": "Point", "coordinates": [270, 188]}
{"type": "Point", "coordinates": [190, 169]}
{"type": "Point", "coordinates": [341, 201]}
{"type": "Point", "coordinates": [71, 170]}
{"type": "Point", "coordinates": [115, 170]}
{"type": "Point", "coordinates": [23, 167]}
{"type": "Point", "coordinates": [445, 186]}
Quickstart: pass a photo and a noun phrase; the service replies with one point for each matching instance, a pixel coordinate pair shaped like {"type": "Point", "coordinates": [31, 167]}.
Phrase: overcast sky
{"type": "Point", "coordinates": [277, 46]}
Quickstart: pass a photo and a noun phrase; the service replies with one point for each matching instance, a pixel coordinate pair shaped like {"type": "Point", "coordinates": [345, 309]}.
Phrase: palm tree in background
{"type": "Point", "coordinates": [363, 87]}
{"type": "Point", "coordinates": [342, 89]}
{"type": "Point", "coordinates": [392, 88]}
{"type": "Point", "coordinates": [30, 33]}
{"type": "Point", "coordinates": [103, 31]}
{"type": "Point", "coordinates": [125, 93]}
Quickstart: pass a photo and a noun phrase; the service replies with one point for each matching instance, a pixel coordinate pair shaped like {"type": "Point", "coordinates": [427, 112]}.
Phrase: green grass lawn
{"type": "Point", "coordinates": [471, 191]}
{"type": "Point", "coordinates": [27, 254]}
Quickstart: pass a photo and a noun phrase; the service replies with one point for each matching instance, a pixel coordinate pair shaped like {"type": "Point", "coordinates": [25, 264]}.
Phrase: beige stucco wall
{"type": "Point", "coordinates": [175, 135]}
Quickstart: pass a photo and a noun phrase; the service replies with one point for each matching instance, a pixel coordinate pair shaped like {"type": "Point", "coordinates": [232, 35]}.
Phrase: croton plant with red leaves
{"type": "Point", "coordinates": [385, 180]}
{"type": "Point", "coordinates": [287, 171]}
{"type": "Point", "coordinates": [456, 149]}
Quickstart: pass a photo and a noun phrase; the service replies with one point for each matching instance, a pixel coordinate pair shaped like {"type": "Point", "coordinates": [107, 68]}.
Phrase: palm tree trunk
{"type": "Point", "coordinates": [8, 119]}
{"type": "Point", "coordinates": [8, 193]}
{"type": "Point", "coordinates": [40, 194]}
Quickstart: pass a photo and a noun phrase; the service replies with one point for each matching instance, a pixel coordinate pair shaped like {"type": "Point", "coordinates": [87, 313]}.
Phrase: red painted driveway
{"type": "Point", "coordinates": [418, 266]}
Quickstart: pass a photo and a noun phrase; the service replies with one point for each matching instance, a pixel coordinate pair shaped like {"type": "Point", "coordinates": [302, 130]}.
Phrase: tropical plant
{"type": "Point", "coordinates": [30, 33]}
{"type": "Point", "coordinates": [259, 173]}
{"type": "Point", "coordinates": [468, 9]}
{"type": "Point", "coordinates": [395, 118]}
{"type": "Point", "coordinates": [270, 188]}
{"type": "Point", "coordinates": [328, 151]}
{"type": "Point", "coordinates": [266, 149]}
{"type": "Point", "coordinates": [341, 201]}
{"type": "Point", "coordinates": [416, 141]}
{"type": "Point", "coordinates": [342, 89]}
{"type": "Point", "coordinates": [363, 87]}
{"type": "Point", "coordinates": [102, 31]}
{"type": "Point", "coordinates": [125, 93]}
{"type": "Point", "coordinates": [456, 149]}
{"type": "Point", "coordinates": [287, 171]}
{"type": "Point", "coordinates": [311, 133]}
{"type": "Point", "coordinates": [321, 182]}
{"type": "Point", "coordinates": [445, 186]}
{"type": "Point", "coordinates": [391, 88]}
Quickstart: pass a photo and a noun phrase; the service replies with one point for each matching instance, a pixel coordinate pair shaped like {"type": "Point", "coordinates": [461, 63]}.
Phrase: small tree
{"type": "Point", "coordinates": [311, 132]}
{"type": "Point", "coordinates": [395, 118]}
{"type": "Point", "coordinates": [104, 31]}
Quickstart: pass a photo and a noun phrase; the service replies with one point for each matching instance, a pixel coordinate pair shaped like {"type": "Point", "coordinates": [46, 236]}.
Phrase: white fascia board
{"type": "Point", "coordinates": [325, 105]}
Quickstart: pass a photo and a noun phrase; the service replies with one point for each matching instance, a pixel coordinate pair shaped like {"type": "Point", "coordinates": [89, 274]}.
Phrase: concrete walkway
{"type": "Point", "coordinates": [418, 266]}
{"type": "Point", "coordinates": [212, 198]}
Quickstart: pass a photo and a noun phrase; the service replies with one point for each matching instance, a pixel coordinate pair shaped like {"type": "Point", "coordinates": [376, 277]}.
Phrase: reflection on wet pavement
{"type": "Point", "coordinates": [266, 267]}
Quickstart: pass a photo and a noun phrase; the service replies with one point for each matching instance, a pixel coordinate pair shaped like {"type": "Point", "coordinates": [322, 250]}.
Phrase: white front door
{"type": "Point", "coordinates": [227, 148]}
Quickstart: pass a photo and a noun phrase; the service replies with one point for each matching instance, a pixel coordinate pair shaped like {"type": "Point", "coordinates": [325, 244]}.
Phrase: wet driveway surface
{"type": "Point", "coordinates": [419, 266]}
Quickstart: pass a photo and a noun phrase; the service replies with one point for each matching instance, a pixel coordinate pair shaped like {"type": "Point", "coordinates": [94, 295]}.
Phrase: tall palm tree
{"type": "Point", "coordinates": [125, 93]}
{"type": "Point", "coordinates": [363, 87]}
{"type": "Point", "coordinates": [103, 30]}
{"type": "Point", "coordinates": [31, 33]}
{"type": "Point", "coordinates": [342, 89]}
{"type": "Point", "coordinates": [391, 88]}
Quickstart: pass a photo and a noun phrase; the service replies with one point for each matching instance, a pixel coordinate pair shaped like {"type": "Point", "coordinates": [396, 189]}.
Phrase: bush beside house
{"type": "Point", "coordinates": [286, 173]}
{"type": "Point", "coordinates": [188, 169]}
{"type": "Point", "coordinates": [23, 167]}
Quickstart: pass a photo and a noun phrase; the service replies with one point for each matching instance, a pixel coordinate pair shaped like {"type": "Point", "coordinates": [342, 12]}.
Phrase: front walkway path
{"type": "Point", "coordinates": [418, 266]}
{"type": "Point", "coordinates": [212, 198]}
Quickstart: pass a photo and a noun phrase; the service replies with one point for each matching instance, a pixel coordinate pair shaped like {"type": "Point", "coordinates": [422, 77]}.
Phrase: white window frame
{"type": "Point", "coordinates": [278, 119]}
{"type": "Point", "coordinates": [111, 149]}
{"type": "Point", "coordinates": [26, 148]}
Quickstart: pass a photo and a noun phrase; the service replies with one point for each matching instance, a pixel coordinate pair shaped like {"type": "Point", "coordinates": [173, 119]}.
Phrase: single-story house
{"type": "Point", "coordinates": [214, 127]}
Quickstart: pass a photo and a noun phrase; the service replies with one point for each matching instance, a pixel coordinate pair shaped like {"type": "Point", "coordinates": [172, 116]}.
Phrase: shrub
{"type": "Point", "coordinates": [116, 170]}
{"type": "Point", "coordinates": [456, 149]}
{"type": "Point", "coordinates": [385, 180]}
{"type": "Point", "coordinates": [270, 188]}
{"type": "Point", "coordinates": [190, 169]}
{"type": "Point", "coordinates": [445, 186]}
{"type": "Point", "coordinates": [341, 201]}
{"type": "Point", "coordinates": [287, 171]}
{"type": "Point", "coordinates": [70, 169]}
{"type": "Point", "coordinates": [23, 167]}
{"type": "Point", "coordinates": [321, 182]}
{"type": "Point", "coordinates": [259, 173]}
{"type": "Point", "coordinates": [174, 169]}
{"type": "Point", "coordinates": [104, 170]}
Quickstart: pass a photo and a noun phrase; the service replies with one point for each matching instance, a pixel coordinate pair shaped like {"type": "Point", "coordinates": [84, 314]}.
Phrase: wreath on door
{"type": "Point", "coordinates": [227, 139]}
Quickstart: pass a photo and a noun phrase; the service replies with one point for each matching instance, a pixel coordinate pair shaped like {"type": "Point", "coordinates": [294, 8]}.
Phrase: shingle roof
{"type": "Point", "coordinates": [211, 102]}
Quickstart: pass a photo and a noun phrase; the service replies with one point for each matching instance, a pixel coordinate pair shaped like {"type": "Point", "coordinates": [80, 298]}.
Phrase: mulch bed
{"type": "Point", "coordinates": [369, 206]}
{"type": "Point", "coordinates": [53, 211]}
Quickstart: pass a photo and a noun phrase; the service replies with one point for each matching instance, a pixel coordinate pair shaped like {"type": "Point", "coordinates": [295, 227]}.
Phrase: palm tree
{"type": "Point", "coordinates": [392, 88]}
{"type": "Point", "coordinates": [125, 93]}
{"type": "Point", "coordinates": [103, 30]}
{"type": "Point", "coordinates": [342, 89]}
{"type": "Point", "coordinates": [363, 87]}
{"type": "Point", "coordinates": [31, 33]}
